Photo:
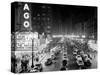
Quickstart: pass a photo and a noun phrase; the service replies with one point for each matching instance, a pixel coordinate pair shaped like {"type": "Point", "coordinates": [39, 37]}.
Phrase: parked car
{"type": "Point", "coordinates": [80, 63]}
{"type": "Point", "coordinates": [39, 66]}
{"type": "Point", "coordinates": [48, 62]}
{"type": "Point", "coordinates": [87, 61]}
{"type": "Point", "coordinates": [35, 69]}
{"type": "Point", "coordinates": [65, 54]}
{"type": "Point", "coordinates": [65, 57]}
{"type": "Point", "coordinates": [78, 57]}
{"type": "Point", "coordinates": [53, 57]}
{"type": "Point", "coordinates": [81, 52]}
{"type": "Point", "coordinates": [74, 52]}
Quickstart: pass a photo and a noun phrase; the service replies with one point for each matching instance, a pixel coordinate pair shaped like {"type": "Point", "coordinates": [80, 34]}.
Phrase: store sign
{"type": "Point", "coordinates": [26, 16]}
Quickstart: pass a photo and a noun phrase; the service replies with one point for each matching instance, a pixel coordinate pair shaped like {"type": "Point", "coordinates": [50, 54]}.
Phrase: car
{"type": "Point", "coordinates": [90, 56]}
{"type": "Point", "coordinates": [48, 62]}
{"type": "Point", "coordinates": [39, 67]}
{"type": "Point", "coordinates": [87, 63]}
{"type": "Point", "coordinates": [80, 62]}
{"type": "Point", "coordinates": [74, 52]}
{"type": "Point", "coordinates": [84, 56]}
{"type": "Point", "coordinates": [35, 69]}
{"type": "Point", "coordinates": [65, 57]}
{"type": "Point", "coordinates": [81, 52]}
{"type": "Point", "coordinates": [65, 54]}
{"type": "Point", "coordinates": [56, 53]}
{"type": "Point", "coordinates": [78, 57]}
{"type": "Point", "coordinates": [53, 57]}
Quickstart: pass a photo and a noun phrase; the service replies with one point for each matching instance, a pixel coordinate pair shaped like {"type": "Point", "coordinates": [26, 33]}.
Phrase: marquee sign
{"type": "Point", "coordinates": [24, 40]}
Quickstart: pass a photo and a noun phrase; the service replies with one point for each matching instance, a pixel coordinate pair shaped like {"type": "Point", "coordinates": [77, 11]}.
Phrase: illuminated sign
{"type": "Point", "coordinates": [24, 40]}
{"type": "Point", "coordinates": [26, 16]}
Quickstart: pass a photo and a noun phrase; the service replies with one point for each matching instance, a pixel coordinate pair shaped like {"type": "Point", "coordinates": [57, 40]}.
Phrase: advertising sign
{"type": "Point", "coordinates": [24, 41]}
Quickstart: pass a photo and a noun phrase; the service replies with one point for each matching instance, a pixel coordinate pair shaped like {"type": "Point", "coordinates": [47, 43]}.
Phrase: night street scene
{"type": "Point", "coordinates": [53, 37]}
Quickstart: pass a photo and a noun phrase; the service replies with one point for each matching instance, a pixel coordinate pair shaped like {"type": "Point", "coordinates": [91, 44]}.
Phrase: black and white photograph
{"type": "Point", "coordinates": [48, 37]}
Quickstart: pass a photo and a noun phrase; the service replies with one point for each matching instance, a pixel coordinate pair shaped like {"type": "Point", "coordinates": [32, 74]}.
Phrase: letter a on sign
{"type": "Point", "coordinates": [26, 7]}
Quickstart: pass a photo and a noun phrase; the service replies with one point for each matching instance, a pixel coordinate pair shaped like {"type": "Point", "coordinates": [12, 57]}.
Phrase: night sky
{"type": "Point", "coordinates": [66, 18]}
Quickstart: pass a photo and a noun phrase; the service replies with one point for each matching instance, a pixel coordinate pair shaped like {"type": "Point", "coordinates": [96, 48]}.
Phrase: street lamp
{"type": "Point", "coordinates": [35, 36]}
{"type": "Point", "coordinates": [32, 53]}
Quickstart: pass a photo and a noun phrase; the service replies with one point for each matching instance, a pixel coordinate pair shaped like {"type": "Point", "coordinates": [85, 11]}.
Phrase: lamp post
{"type": "Point", "coordinates": [35, 36]}
{"type": "Point", "coordinates": [32, 53]}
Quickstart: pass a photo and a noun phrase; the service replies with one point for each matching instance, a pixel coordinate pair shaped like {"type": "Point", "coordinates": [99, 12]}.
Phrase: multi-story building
{"type": "Point", "coordinates": [42, 18]}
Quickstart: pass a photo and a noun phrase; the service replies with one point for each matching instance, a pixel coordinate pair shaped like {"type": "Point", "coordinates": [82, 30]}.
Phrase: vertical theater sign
{"type": "Point", "coordinates": [26, 16]}
{"type": "Point", "coordinates": [24, 38]}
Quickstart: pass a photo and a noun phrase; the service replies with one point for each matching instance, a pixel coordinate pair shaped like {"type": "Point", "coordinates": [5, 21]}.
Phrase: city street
{"type": "Point", "coordinates": [57, 63]}
{"type": "Point", "coordinates": [51, 37]}
{"type": "Point", "coordinates": [61, 50]}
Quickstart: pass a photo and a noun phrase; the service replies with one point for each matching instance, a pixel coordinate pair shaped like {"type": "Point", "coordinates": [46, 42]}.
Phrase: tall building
{"type": "Point", "coordinates": [42, 18]}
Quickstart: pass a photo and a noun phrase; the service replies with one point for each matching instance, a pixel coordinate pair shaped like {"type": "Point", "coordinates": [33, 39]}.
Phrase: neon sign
{"type": "Point", "coordinates": [24, 41]}
{"type": "Point", "coordinates": [26, 16]}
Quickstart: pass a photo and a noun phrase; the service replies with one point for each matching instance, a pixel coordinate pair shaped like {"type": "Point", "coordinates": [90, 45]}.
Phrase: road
{"type": "Point", "coordinates": [71, 59]}
{"type": "Point", "coordinates": [66, 48]}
